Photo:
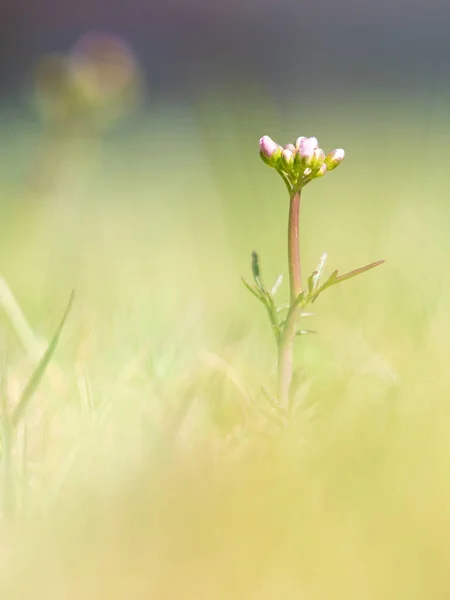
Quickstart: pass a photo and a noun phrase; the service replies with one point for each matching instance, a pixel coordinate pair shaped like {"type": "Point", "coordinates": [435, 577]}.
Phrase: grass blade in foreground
{"type": "Point", "coordinates": [39, 371]}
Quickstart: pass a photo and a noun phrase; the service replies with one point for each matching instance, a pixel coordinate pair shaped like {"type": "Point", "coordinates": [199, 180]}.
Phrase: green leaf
{"type": "Point", "coordinates": [255, 269]}
{"type": "Point", "coordinates": [299, 300]}
{"type": "Point", "coordinates": [39, 371]}
{"type": "Point", "coordinates": [335, 278]}
{"type": "Point", "coordinates": [253, 290]}
{"type": "Point", "coordinates": [356, 272]}
{"type": "Point", "coordinates": [272, 312]}
{"type": "Point", "coordinates": [265, 297]}
{"type": "Point", "coordinates": [311, 279]}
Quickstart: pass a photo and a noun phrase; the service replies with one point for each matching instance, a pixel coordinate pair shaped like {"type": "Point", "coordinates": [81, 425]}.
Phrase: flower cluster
{"type": "Point", "coordinates": [301, 162]}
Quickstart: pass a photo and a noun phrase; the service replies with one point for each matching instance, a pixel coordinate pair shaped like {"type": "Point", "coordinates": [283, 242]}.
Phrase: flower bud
{"type": "Point", "coordinates": [298, 141]}
{"type": "Point", "coordinates": [270, 151]}
{"type": "Point", "coordinates": [306, 149]}
{"type": "Point", "coordinates": [291, 147]}
{"type": "Point", "coordinates": [334, 159]}
{"type": "Point", "coordinates": [320, 172]}
{"type": "Point", "coordinates": [287, 159]}
{"type": "Point", "coordinates": [317, 159]}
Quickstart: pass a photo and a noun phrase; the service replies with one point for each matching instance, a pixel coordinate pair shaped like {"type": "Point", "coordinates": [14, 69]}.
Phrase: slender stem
{"type": "Point", "coordinates": [295, 275]}
{"type": "Point", "coordinates": [286, 343]}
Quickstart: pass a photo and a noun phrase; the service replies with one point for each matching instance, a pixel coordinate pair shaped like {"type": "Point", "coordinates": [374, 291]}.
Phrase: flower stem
{"type": "Point", "coordinates": [286, 343]}
{"type": "Point", "coordinates": [295, 274]}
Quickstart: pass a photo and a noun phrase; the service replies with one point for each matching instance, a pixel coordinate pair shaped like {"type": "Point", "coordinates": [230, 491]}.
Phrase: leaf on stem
{"type": "Point", "coordinates": [300, 299]}
{"type": "Point", "coordinates": [319, 271]}
{"type": "Point", "coordinates": [253, 290]}
{"type": "Point", "coordinates": [276, 285]}
{"type": "Point", "coordinates": [255, 270]}
{"type": "Point", "coordinates": [311, 283]}
{"type": "Point", "coordinates": [336, 278]}
{"type": "Point", "coordinates": [314, 278]}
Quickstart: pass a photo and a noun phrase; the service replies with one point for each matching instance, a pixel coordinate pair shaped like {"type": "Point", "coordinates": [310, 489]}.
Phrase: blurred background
{"type": "Point", "coordinates": [130, 172]}
{"type": "Point", "coordinates": [387, 45]}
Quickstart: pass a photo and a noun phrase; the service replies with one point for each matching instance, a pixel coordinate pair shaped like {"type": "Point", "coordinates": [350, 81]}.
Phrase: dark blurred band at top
{"type": "Point", "coordinates": [241, 42]}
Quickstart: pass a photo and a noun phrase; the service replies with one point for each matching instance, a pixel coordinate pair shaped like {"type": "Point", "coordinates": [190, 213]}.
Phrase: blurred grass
{"type": "Point", "coordinates": [146, 476]}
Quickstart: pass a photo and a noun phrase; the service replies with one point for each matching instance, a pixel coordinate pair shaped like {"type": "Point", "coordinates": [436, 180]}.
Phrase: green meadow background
{"type": "Point", "coordinates": [142, 467]}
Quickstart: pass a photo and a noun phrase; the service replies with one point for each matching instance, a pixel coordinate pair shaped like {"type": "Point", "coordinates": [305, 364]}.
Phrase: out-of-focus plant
{"type": "Point", "coordinates": [11, 417]}
{"type": "Point", "coordinates": [79, 95]}
{"type": "Point", "coordinates": [95, 83]}
{"type": "Point", "coordinates": [297, 164]}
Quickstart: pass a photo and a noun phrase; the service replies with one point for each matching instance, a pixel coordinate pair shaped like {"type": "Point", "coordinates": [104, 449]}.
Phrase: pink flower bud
{"type": "Point", "coordinates": [334, 159]}
{"type": "Point", "coordinates": [323, 169]}
{"type": "Point", "coordinates": [298, 141]}
{"type": "Point", "coordinates": [306, 149]}
{"type": "Point", "coordinates": [270, 151]}
{"type": "Point", "coordinates": [287, 159]}
{"type": "Point", "coordinates": [317, 159]}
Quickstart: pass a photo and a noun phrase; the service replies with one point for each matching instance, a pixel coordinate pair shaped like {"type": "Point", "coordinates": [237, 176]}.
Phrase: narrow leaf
{"type": "Point", "coordinates": [39, 371]}
{"type": "Point", "coordinates": [255, 269]}
{"type": "Point", "coordinates": [335, 278]}
{"type": "Point", "coordinates": [311, 282]}
{"type": "Point", "coordinates": [328, 283]}
{"type": "Point", "coordinates": [319, 271]}
{"type": "Point", "coordinates": [276, 285]}
{"type": "Point", "coordinates": [300, 298]}
{"type": "Point", "coordinates": [252, 289]}
{"type": "Point", "coordinates": [272, 312]}
{"type": "Point", "coordinates": [355, 272]}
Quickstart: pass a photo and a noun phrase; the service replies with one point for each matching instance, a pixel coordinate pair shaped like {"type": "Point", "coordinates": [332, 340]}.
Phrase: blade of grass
{"type": "Point", "coordinates": [39, 371]}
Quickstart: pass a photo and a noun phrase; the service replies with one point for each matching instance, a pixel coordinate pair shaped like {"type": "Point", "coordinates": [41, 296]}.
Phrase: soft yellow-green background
{"type": "Point", "coordinates": [153, 226]}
